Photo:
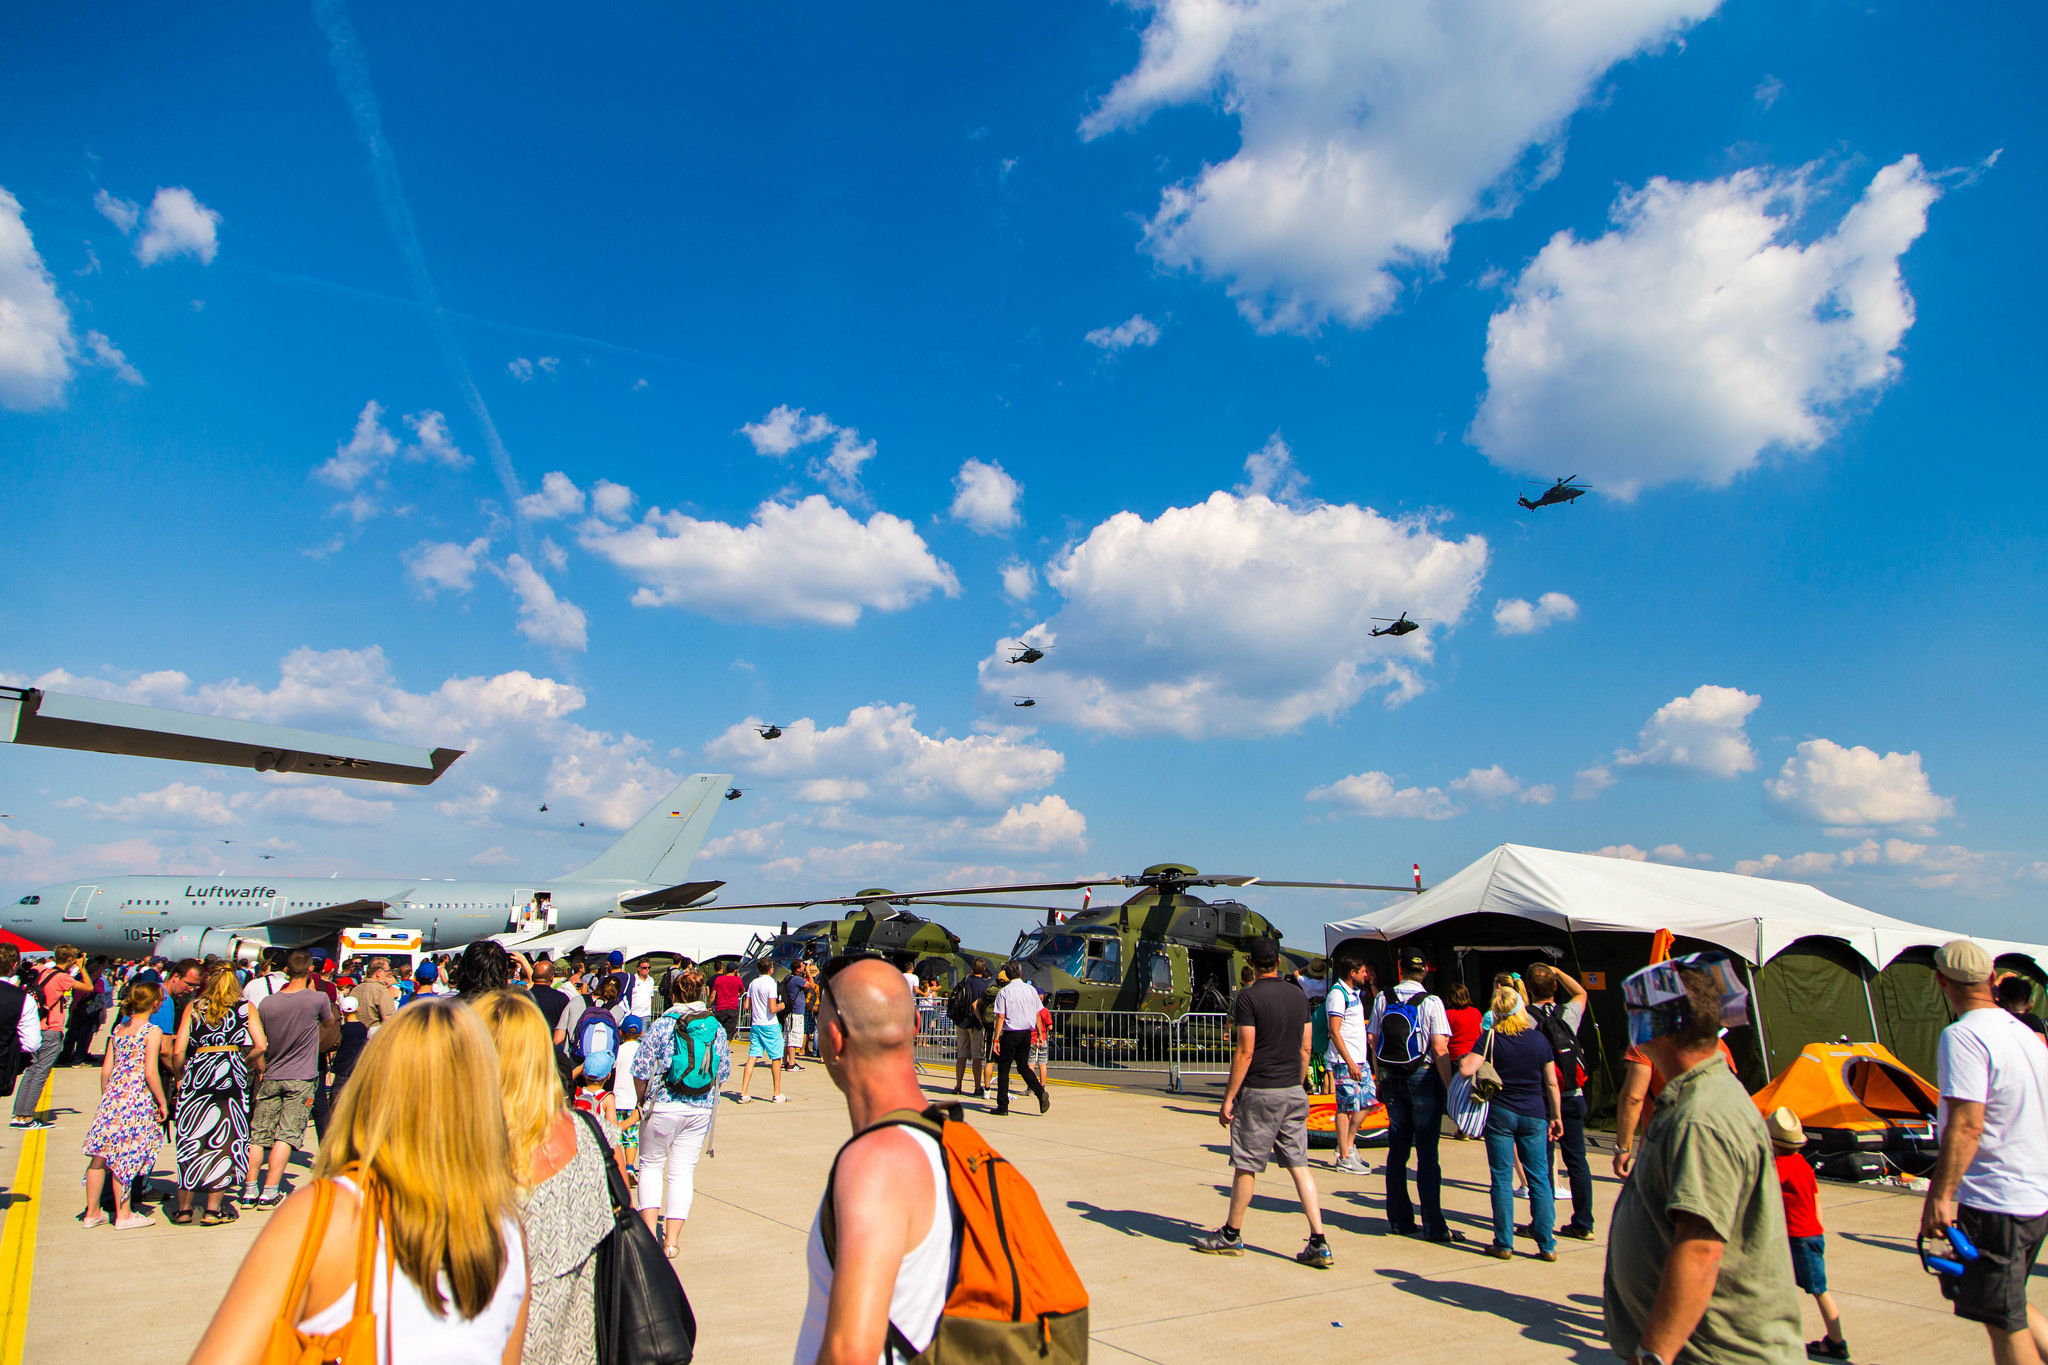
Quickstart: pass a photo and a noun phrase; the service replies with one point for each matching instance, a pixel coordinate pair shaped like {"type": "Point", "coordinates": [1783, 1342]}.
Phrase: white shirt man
{"type": "Point", "coordinates": [1017, 1007]}
{"type": "Point", "coordinates": [640, 992]}
{"type": "Point", "coordinates": [1016, 1014]}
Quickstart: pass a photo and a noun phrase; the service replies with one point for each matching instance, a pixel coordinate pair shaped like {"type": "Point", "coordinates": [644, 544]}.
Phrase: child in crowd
{"type": "Point", "coordinates": [354, 1035]}
{"type": "Point", "coordinates": [1041, 1036]}
{"type": "Point", "coordinates": [625, 1094]}
{"type": "Point", "coordinates": [594, 1095]}
{"type": "Point", "coordinates": [1803, 1230]}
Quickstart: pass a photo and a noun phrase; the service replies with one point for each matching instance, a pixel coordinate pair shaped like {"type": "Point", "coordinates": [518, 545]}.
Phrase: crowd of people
{"type": "Point", "coordinates": [468, 1109]}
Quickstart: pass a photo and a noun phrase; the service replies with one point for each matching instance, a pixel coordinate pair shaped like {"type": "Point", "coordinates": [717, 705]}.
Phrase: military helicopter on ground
{"type": "Point", "coordinates": [1026, 654]}
{"type": "Point", "coordinates": [1161, 952]}
{"type": "Point", "coordinates": [876, 923]}
{"type": "Point", "coordinates": [769, 731]}
{"type": "Point", "coordinates": [1399, 627]}
{"type": "Point", "coordinates": [1564, 490]}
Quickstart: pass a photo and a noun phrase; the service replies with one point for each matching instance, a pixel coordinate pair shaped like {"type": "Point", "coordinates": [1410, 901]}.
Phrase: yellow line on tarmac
{"type": "Point", "coordinates": [18, 1237]}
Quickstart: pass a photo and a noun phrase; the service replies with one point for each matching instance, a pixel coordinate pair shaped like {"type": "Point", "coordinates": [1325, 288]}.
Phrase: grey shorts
{"type": "Point", "coordinates": [1994, 1286]}
{"type": "Point", "coordinates": [970, 1044]}
{"type": "Point", "coordinates": [283, 1108]}
{"type": "Point", "coordinates": [1269, 1125]}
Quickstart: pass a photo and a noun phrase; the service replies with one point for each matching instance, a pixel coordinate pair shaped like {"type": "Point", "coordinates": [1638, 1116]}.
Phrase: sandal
{"type": "Point", "coordinates": [180, 1216]}
{"type": "Point", "coordinates": [213, 1218]}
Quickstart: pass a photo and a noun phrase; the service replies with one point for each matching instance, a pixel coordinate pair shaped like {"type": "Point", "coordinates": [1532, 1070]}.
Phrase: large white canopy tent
{"type": "Point", "coordinates": [698, 940]}
{"type": "Point", "coordinates": [1825, 963]}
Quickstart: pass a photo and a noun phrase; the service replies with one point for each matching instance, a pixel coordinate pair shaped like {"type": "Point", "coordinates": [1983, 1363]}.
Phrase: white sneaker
{"type": "Point", "coordinates": [1353, 1165]}
{"type": "Point", "coordinates": [778, 1099]}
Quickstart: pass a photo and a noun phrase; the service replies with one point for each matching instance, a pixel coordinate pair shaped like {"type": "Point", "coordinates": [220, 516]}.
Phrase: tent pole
{"type": "Point", "coordinates": [1870, 1005]}
{"type": "Point", "coordinates": [1756, 1014]}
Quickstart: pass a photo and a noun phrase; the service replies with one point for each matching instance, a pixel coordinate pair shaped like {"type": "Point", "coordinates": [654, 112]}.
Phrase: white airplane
{"type": "Point", "coordinates": [638, 876]}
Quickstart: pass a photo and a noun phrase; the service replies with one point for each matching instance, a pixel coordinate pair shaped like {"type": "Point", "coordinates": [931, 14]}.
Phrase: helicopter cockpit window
{"type": "Point", "coordinates": [1161, 977]}
{"type": "Point", "coordinates": [1105, 961]}
{"type": "Point", "coordinates": [1061, 952]}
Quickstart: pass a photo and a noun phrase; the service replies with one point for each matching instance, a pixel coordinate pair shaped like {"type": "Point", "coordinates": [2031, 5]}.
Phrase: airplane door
{"type": "Point", "coordinates": [80, 902]}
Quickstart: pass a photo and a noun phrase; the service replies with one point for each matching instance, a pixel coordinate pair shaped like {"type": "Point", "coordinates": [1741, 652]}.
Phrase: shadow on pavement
{"type": "Point", "coordinates": [1582, 1332]}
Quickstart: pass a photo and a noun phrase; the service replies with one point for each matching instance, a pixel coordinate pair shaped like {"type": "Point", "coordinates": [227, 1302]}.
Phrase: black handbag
{"type": "Point", "coordinates": [643, 1315]}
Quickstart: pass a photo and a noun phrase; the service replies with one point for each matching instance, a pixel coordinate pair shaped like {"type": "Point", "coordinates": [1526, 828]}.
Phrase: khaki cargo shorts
{"type": "Point", "coordinates": [1269, 1125]}
{"type": "Point", "coordinates": [970, 1044]}
{"type": "Point", "coordinates": [283, 1108]}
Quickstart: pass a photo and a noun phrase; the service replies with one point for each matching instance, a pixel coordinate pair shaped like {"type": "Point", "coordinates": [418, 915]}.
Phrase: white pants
{"type": "Point", "coordinates": [671, 1140]}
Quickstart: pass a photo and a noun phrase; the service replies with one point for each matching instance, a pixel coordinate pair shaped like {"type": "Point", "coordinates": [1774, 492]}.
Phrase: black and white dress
{"type": "Point", "coordinates": [213, 1103]}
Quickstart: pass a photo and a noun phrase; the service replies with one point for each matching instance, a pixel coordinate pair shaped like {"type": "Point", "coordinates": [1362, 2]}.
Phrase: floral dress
{"type": "Point", "coordinates": [126, 1131]}
{"type": "Point", "coordinates": [213, 1103]}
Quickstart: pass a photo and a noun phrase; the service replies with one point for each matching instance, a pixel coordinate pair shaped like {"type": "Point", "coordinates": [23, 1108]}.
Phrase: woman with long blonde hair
{"type": "Point", "coordinates": [218, 1053]}
{"type": "Point", "coordinates": [1525, 1117]}
{"type": "Point", "coordinates": [421, 1129]}
{"type": "Point", "coordinates": [558, 1160]}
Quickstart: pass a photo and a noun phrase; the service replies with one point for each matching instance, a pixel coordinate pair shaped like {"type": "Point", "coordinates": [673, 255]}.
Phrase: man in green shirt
{"type": "Point", "coordinates": [1698, 1268]}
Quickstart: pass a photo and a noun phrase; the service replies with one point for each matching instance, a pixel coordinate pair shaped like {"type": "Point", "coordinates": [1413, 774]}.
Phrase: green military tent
{"type": "Point", "coordinates": [1820, 968]}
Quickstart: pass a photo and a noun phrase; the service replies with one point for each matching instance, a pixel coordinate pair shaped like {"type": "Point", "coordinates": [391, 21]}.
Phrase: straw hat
{"type": "Point", "coordinates": [1785, 1128]}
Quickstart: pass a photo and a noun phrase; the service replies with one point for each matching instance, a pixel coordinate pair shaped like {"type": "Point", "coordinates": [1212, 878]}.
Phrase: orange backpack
{"type": "Point", "coordinates": [1014, 1296]}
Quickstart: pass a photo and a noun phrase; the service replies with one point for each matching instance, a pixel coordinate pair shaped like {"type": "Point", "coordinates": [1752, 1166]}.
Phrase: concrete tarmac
{"type": "Point", "coordinates": [1127, 1177]}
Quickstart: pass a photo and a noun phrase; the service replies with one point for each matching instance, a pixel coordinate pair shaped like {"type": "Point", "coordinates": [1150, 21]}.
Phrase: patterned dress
{"type": "Point", "coordinates": [125, 1130]}
{"type": "Point", "coordinates": [566, 1216]}
{"type": "Point", "coordinates": [213, 1104]}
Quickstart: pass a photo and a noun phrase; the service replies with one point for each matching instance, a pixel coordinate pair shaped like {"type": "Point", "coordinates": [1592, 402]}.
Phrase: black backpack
{"type": "Point", "coordinates": [13, 1061]}
{"type": "Point", "coordinates": [1571, 1062]}
{"type": "Point", "coordinates": [961, 1002]}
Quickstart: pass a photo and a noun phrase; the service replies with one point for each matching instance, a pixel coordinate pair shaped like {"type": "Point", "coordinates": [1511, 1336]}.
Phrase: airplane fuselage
{"type": "Point", "coordinates": [125, 916]}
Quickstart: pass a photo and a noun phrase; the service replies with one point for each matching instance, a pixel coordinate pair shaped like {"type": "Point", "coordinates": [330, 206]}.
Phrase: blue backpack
{"type": "Point", "coordinates": [597, 1035]}
{"type": "Point", "coordinates": [693, 1066]}
{"type": "Point", "coordinates": [1404, 1043]}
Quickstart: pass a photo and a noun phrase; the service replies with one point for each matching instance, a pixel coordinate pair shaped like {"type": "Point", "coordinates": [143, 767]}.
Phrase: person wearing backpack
{"type": "Point", "coordinates": [1560, 1021]}
{"type": "Point", "coordinates": [970, 1034]}
{"type": "Point", "coordinates": [885, 1280]}
{"type": "Point", "coordinates": [1410, 1039]}
{"type": "Point", "coordinates": [597, 1043]}
{"type": "Point", "coordinates": [677, 1069]}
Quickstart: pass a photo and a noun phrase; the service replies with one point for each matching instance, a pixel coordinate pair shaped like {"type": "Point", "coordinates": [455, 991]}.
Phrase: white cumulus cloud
{"type": "Point", "coordinates": [1370, 129]}
{"type": "Point", "coordinates": [985, 498]}
{"type": "Point", "coordinates": [108, 356]}
{"type": "Point", "coordinates": [1662, 853]}
{"type": "Point", "coordinates": [879, 757]}
{"type": "Point", "coordinates": [36, 345]}
{"type": "Point", "coordinates": [1704, 331]}
{"type": "Point", "coordinates": [1137, 330]}
{"type": "Point", "coordinates": [1270, 472]}
{"type": "Point", "coordinates": [323, 805]}
{"type": "Point", "coordinates": [1495, 785]}
{"type": "Point", "coordinates": [364, 453]}
{"type": "Point", "coordinates": [431, 441]}
{"type": "Point", "coordinates": [1239, 616]}
{"type": "Point", "coordinates": [1020, 580]}
{"type": "Point", "coordinates": [177, 224]}
{"type": "Point", "coordinates": [181, 805]}
{"type": "Point", "coordinates": [1374, 794]}
{"type": "Point", "coordinates": [544, 617]}
{"type": "Point", "coordinates": [122, 213]}
{"type": "Point", "coordinates": [439, 565]}
{"type": "Point", "coordinates": [1827, 784]}
{"type": "Point", "coordinates": [558, 497]}
{"type": "Point", "coordinates": [1513, 616]}
{"type": "Point", "coordinates": [786, 429]}
{"type": "Point", "coordinates": [808, 561]}
{"type": "Point", "coordinates": [1703, 734]}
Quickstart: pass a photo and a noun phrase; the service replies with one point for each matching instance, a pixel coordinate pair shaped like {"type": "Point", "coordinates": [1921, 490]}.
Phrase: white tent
{"type": "Point", "coordinates": [1754, 917]}
{"type": "Point", "coordinates": [695, 939]}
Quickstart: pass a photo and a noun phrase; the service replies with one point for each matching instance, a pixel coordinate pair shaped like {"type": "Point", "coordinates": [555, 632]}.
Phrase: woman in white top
{"type": "Point", "coordinates": [424, 1106]}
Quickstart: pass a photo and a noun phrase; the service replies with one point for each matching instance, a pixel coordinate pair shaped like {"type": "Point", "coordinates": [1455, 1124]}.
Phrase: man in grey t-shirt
{"type": "Point", "coordinates": [299, 1024]}
{"type": "Point", "coordinates": [1558, 1004]}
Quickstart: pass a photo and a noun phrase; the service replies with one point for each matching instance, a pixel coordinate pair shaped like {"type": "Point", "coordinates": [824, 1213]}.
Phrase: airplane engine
{"type": "Point", "coordinates": [191, 940]}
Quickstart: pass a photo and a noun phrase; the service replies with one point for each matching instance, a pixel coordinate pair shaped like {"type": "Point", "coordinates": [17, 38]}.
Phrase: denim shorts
{"type": "Point", "coordinates": [1810, 1264]}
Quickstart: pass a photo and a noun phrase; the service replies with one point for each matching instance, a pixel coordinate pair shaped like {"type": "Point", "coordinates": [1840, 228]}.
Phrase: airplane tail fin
{"type": "Point", "coordinates": [661, 847]}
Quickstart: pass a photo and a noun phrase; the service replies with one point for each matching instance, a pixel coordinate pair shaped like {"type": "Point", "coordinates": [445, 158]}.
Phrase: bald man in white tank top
{"type": "Point", "coordinates": [892, 1217]}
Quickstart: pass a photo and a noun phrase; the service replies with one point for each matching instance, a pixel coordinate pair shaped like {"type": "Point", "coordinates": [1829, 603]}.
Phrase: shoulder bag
{"type": "Point", "coordinates": [355, 1343]}
{"type": "Point", "coordinates": [1486, 1081]}
{"type": "Point", "coordinates": [643, 1315]}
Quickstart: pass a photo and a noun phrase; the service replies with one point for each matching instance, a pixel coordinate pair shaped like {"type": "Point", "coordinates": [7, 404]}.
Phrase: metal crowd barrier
{"type": "Point", "coordinates": [1108, 1043]}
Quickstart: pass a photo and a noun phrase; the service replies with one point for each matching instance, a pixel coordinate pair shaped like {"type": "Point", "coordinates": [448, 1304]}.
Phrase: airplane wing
{"type": "Point", "coordinates": [667, 899]}
{"type": "Point", "coordinates": [325, 917]}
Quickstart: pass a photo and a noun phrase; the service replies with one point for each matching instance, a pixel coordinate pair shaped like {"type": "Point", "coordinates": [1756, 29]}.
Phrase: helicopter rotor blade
{"type": "Point", "coordinates": [1338, 886]}
{"type": "Point", "coordinates": [1000, 905]}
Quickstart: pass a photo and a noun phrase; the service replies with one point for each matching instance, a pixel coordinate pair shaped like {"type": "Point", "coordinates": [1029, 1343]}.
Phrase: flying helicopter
{"type": "Point", "coordinates": [733, 793]}
{"type": "Point", "coordinates": [1024, 701]}
{"type": "Point", "coordinates": [1398, 627]}
{"type": "Point", "coordinates": [769, 731]}
{"type": "Point", "coordinates": [1026, 654]}
{"type": "Point", "coordinates": [543, 807]}
{"type": "Point", "coordinates": [1564, 490]}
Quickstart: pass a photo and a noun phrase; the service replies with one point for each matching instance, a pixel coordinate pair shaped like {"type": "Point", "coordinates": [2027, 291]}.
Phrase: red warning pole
{"type": "Point", "coordinates": [1418, 877]}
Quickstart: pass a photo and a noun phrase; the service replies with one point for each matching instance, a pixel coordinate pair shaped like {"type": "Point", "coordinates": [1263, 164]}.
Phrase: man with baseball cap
{"type": "Point", "coordinates": [1697, 1261]}
{"type": "Point", "coordinates": [1991, 1179]}
{"type": "Point", "coordinates": [1409, 1039]}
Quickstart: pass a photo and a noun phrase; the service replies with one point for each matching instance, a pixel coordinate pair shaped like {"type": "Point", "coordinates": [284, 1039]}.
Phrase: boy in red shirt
{"type": "Point", "coordinates": [1803, 1230]}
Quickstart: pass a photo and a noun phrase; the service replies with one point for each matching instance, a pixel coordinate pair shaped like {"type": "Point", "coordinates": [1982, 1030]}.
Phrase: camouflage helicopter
{"type": "Point", "coordinates": [877, 922]}
{"type": "Point", "coordinates": [1162, 952]}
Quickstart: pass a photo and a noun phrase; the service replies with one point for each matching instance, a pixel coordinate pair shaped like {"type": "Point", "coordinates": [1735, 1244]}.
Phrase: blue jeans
{"type": "Point", "coordinates": [1572, 1109]}
{"type": "Point", "coordinates": [1415, 1110]}
{"type": "Point", "coordinates": [1506, 1134]}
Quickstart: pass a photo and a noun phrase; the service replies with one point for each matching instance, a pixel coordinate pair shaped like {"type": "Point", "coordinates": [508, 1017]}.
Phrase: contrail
{"type": "Point", "coordinates": [352, 76]}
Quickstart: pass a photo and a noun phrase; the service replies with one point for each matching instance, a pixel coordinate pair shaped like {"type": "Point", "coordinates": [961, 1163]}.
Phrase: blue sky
{"type": "Point", "coordinates": [581, 387]}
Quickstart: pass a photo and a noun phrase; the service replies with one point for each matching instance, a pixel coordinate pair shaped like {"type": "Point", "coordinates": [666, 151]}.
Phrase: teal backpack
{"type": "Point", "coordinates": [693, 1066]}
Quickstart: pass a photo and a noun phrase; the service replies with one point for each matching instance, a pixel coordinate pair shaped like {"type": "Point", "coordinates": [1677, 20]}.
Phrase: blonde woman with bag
{"type": "Point", "coordinates": [1523, 1117]}
{"type": "Point", "coordinates": [406, 1248]}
